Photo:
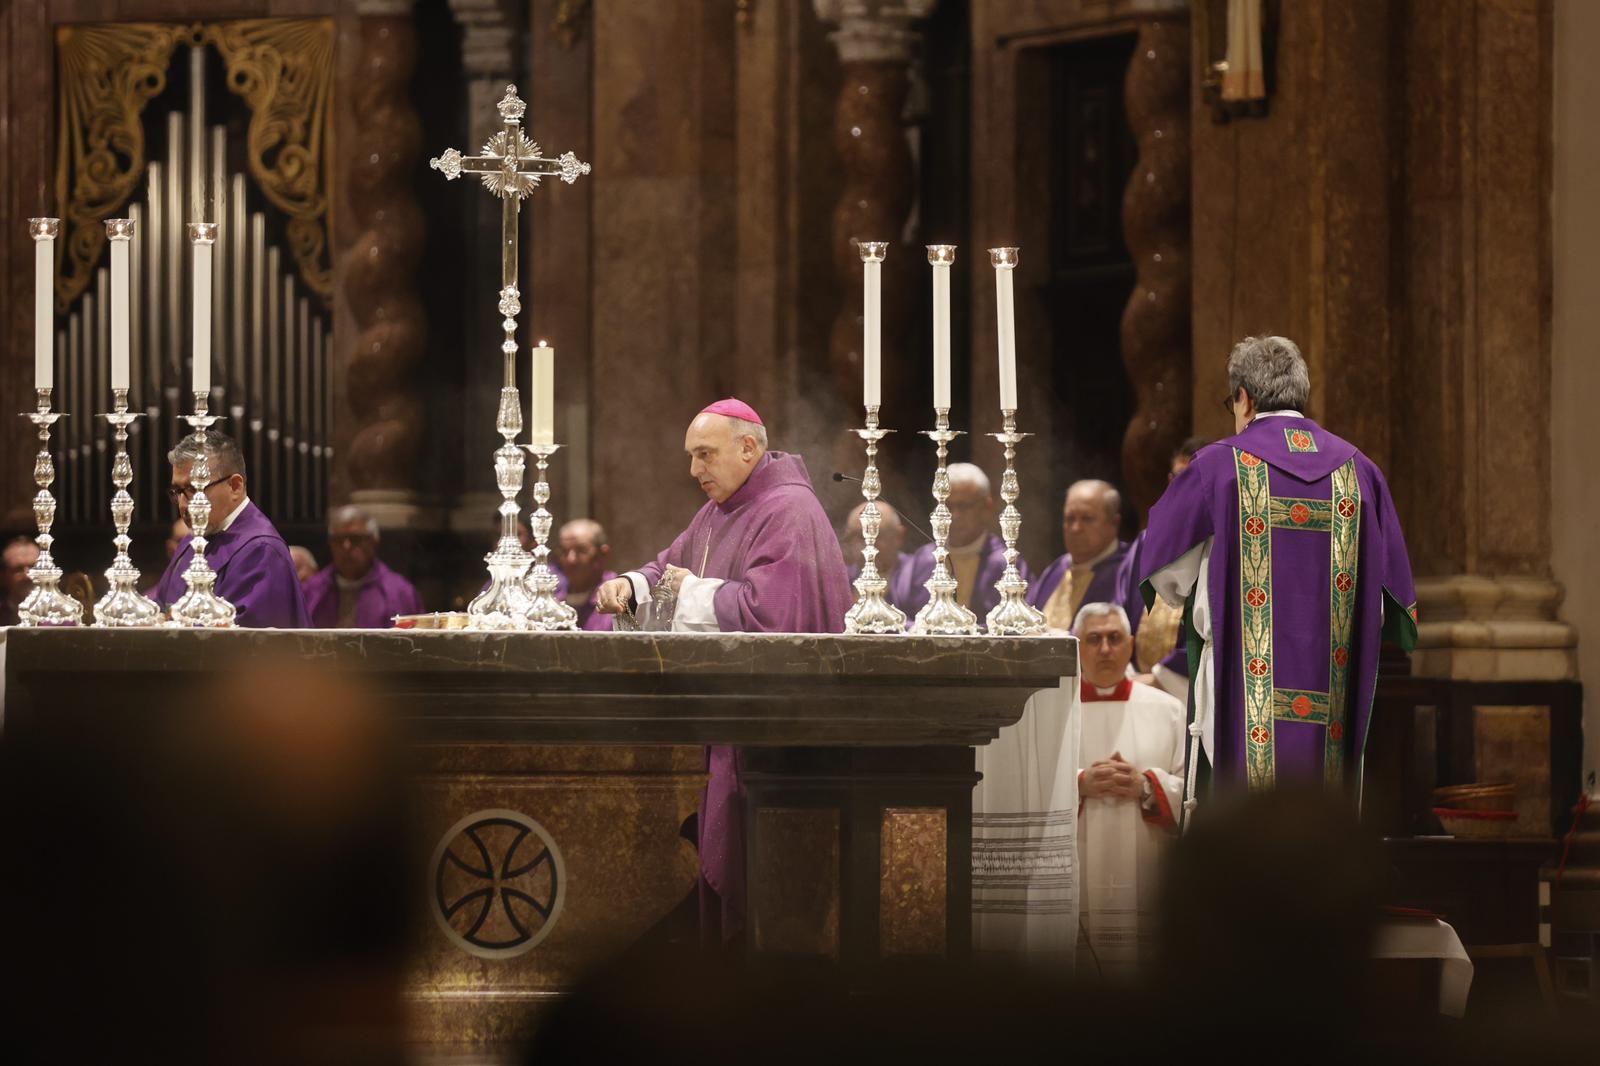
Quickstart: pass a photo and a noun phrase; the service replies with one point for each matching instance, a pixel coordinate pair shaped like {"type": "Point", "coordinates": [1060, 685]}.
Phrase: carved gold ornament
{"type": "Point", "coordinates": [283, 68]}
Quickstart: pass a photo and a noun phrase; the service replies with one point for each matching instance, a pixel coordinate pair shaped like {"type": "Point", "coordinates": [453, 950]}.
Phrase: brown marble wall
{"type": "Point", "coordinates": [1303, 246]}
{"type": "Point", "coordinates": [663, 114]}
{"type": "Point", "coordinates": [1401, 237]}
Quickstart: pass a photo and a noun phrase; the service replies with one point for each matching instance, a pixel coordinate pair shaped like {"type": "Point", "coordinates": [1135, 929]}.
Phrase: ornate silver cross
{"type": "Point", "coordinates": [511, 168]}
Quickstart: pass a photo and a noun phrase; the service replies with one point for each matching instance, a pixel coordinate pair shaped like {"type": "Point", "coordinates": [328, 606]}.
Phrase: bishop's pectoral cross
{"type": "Point", "coordinates": [510, 167]}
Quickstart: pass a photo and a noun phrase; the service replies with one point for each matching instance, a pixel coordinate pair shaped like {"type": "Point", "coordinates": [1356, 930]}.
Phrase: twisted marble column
{"type": "Point", "coordinates": [380, 160]}
{"type": "Point", "coordinates": [876, 46]}
{"type": "Point", "coordinates": [1155, 223]}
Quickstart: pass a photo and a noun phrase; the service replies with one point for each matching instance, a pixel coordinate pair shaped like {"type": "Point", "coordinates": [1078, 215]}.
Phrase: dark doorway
{"type": "Point", "coordinates": [1091, 157]}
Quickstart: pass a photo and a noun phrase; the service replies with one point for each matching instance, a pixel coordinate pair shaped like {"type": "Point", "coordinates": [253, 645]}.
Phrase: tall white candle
{"type": "Point", "coordinates": [1005, 264]}
{"type": "Point", "coordinates": [43, 231]}
{"type": "Point", "coordinates": [941, 256]}
{"type": "Point", "coordinates": [542, 402]}
{"type": "Point", "coordinates": [202, 235]}
{"type": "Point", "coordinates": [120, 233]}
{"type": "Point", "coordinates": [872, 253]}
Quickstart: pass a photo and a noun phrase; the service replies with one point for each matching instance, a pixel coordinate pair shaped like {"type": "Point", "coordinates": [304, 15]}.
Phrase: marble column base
{"type": "Point", "coordinates": [399, 509]}
{"type": "Point", "coordinates": [1478, 628]}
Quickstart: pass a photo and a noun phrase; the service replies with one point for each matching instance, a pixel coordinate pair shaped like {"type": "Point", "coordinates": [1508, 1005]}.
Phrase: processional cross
{"type": "Point", "coordinates": [510, 166]}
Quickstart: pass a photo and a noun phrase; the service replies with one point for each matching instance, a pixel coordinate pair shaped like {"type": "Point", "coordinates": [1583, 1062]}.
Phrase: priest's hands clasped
{"type": "Point", "coordinates": [1111, 778]}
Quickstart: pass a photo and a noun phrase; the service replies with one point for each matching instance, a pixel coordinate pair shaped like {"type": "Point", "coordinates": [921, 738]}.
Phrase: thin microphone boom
{"type": "Point", "coordinates": [837, 476]}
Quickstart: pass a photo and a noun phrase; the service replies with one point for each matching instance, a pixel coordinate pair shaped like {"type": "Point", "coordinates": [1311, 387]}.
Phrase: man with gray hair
{"type": "Point", "coordinates": [254, 571]}
{"type": "Point", "coordinates": [1131, 749]}
{"type": "Point", "coordinates": [1091, 520]}
{"type": "Point", "coordinates": [1282, 546]}
{"type": "Point", "coordinates": [358, 591]}
{"type": "Point", "coordinates": [977, 555]}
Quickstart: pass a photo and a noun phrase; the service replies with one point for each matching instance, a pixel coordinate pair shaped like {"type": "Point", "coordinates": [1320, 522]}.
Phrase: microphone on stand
{"type": "Point", "coordinates": [898, 509]}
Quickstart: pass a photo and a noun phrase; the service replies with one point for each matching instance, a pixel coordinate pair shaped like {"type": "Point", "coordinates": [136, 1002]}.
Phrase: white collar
{"type": "Point", "coordinates": [226, 522]}
{"type": "Point", "coordinates": [1098, 559]}
{"type": "Point", "coordinates": [1278, 414]}
{"type": "Point", "coordinates": [974, 548]}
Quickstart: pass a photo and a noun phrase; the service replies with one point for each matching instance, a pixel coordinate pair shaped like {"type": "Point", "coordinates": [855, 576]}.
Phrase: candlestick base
{"type": "Point", "coordinates": [546, 611]}
{"type": "Point", "coordinates": [504, 604]}
{"type": "Point", "coordinates": [46, 604]}
{"type": "Point", "coordinates": [200, 607]}
{"type": "Point", "coordinates": [872, 612]}
{"type": "Point", "coordinates": [1013, 616]}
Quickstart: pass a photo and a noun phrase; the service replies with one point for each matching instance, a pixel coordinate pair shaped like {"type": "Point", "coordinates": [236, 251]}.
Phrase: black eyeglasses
{"type": "Point", "coordinates": [1228, 401]}
{"type": "Point", "coordinates": [183, 492]}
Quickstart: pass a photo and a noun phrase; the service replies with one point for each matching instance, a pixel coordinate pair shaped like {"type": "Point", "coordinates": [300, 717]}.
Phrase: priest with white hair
{"type": "Point", "coordinates": [977, 555]}
{"type": "Point", "coordinates": [1131, 748]}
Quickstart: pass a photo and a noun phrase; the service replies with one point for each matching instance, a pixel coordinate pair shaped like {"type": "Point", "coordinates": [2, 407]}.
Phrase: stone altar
{"type": "Point", "coordinates": [552, 772]}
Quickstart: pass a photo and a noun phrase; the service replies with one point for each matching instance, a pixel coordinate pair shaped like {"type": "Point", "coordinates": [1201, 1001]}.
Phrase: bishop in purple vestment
{"type": "Point", "coordinates": [1282, 544]}
{"type": "Point", "coordinates": [254, 571]}
{"type": "Point", "coordinates": [1088, 571]}
{"type": "Point", "coordinates": [759, 557]}
{"type": "Point", "coordinates": [977, 556]}
{"type": "Point", "coordinates": [357, 591]}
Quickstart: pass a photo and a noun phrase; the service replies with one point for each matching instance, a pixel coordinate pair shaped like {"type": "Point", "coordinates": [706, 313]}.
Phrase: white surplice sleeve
{"type": "Point", "coordinates": [697, 609]}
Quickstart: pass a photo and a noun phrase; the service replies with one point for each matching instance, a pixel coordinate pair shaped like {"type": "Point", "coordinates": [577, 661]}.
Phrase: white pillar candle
{"type": "Point", "coordinates": [872, 253]}
{"type": "Point", "coordinates": [43, 231]}
{"type": "Point", "coordinates": [542, 401]}
{"type": "Point", "coordinates": [202, 235]}
{"type": "Point", "coordinates": [941, 256]}
{"type": "Point", "coordinates": [1005, 262]}
{"type": "Point", "coordinates": [120, 233]}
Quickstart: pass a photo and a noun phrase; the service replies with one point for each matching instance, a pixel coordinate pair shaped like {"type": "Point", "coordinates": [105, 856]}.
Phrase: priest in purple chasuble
{"type": "Point", "coordinates": [891, 537]}
{"type": "Point", "coordinates": [1131, 749]}
{"type": "Point", "coordinates": [357, 591]}
{"type": "Point", "coordinates": [1160, 647]}
{"type": "Point", "coordinates": [254, 571]}
{"type": "Point", "coordinates": [1282, 544]}
{"type": "Point", "coordinates": [977, 556]}
{"type": "Point", "coordinates": [583, 550]}
{"type": "Point", "coordinates": [759, 557]}
{"type": "Point", "coordinates": [1087, 573]}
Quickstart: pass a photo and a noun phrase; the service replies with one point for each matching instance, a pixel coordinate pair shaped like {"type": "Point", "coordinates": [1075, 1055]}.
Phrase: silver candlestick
{"type": "Point", "coordinates": [871, 612]}
{"type": "Point", "coordinates": [123, 604]}
{"type": "Point", "coordinates": [942, 616]}
{"type": "Point", "coordinates": [200, 607]}
{"type": "Point", "coordinates": [504, 604]}
{"type": "Point", "coordinates": [46, 604]}
{"type": "Point", "coordinates": [1013, 616]}
{"type": "Point", "coordinates": [546, 611]}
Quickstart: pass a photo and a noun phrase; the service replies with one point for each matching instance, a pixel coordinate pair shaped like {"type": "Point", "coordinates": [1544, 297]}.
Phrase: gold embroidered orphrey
{"type": "Point", "coordinates": [283, 68]}
{"type": "Point", "coordinates": [1265, 704]}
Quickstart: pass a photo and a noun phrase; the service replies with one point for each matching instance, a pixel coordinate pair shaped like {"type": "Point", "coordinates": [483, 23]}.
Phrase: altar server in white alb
{"type": "Point", "coordinates": [1131, 786]}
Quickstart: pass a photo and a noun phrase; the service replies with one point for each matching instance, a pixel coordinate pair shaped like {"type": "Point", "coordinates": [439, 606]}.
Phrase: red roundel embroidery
{"type": "Point", "coordinates": [1256, 596]}
{"type": "Point", "coordinates": [1336, 732]}
{"type": "Point", "coordinates": [1347, 507]}
{"type": "Point", "coordinates": [1259, 735]}
{"type": "Point", "coordinates": [1344, 582]}
{"type": "Point", "coordinates": [1341, 656]}
{"type": "Point", "coordinates": [1255, 525]}
{"type": "Point", "coordinates": [1301, 440]}
{"type": "Point", "coordinates": [1258, 667]}
{"type": "Point", "coordinates": [1302, 706]}
{"type": "Point", "coordinates": [1249, 460]}
{"type": "Point", "coordinates": [1299, 514]}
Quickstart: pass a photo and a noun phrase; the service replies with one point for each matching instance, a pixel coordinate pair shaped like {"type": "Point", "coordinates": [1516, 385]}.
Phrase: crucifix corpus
{"type": "Point", "coordinates": [510, 166]}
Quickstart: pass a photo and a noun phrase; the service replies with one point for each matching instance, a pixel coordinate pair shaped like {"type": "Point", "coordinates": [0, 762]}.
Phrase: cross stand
{"type": "Point", "coordinates": [510, 167]}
